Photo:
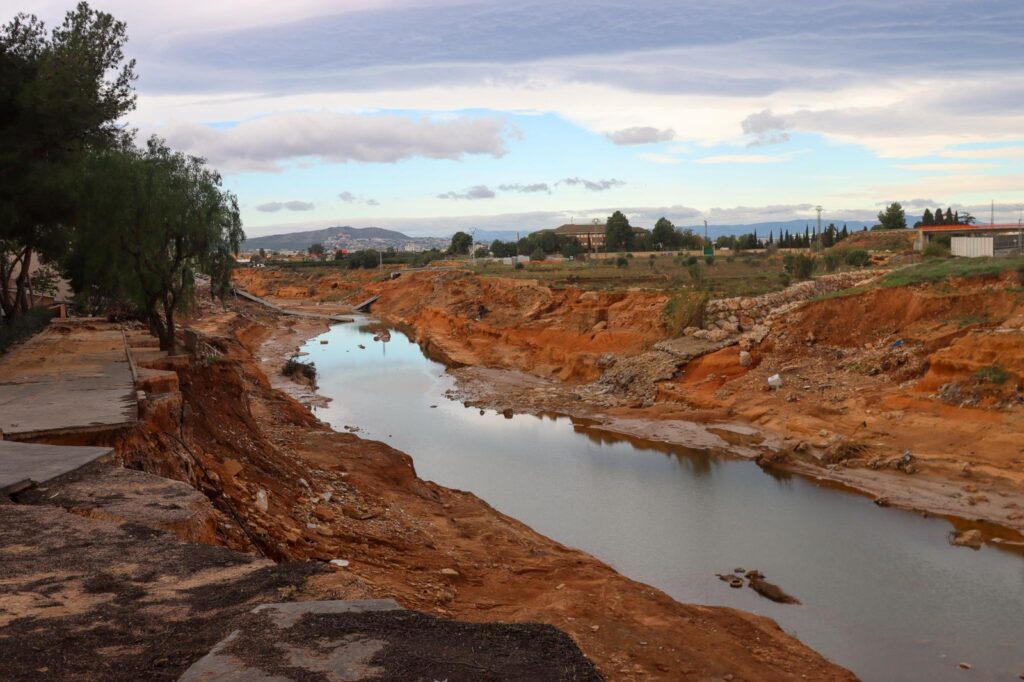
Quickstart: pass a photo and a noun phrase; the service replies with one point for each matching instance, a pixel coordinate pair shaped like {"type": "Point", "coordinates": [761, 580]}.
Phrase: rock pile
{"type": "Point", "coordinates": [727, 317]}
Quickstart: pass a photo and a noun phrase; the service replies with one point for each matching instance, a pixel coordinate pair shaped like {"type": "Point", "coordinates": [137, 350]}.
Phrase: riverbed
{"type": "Point", "coordinates": [882, 591]}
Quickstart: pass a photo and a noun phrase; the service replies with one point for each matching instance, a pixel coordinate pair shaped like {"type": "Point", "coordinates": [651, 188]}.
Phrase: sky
{"type": "Point", "coordinates": [518, 115]}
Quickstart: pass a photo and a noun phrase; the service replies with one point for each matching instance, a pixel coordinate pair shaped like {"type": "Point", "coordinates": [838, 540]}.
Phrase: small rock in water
{"type": "Point", "coordinates": [323, 342]}
{"type": "Point", "coordinates": [969, 538]}
{"type": "Point", "coordinates": [739, 570]}
{"type": "Point", "coordinates": [965, 666]}
{"type": "Point", "coordinates": [362, 347]}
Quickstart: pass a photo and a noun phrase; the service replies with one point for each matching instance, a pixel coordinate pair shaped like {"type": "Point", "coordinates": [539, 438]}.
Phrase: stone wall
{"type": "Point", "coordinates": [725, 317]}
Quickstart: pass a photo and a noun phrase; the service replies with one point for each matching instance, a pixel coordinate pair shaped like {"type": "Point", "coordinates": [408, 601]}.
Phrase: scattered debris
{"type": "Point", "coordinates": [968, 538]}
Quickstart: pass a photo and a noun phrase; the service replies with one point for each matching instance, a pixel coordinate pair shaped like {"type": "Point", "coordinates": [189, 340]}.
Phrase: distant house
{"type": "Point", "coordinates": [589, 235]}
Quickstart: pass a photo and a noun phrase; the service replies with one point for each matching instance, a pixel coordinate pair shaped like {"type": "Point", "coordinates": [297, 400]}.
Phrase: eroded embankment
{"type": "Point", "coordinates": [932, 370]}
{"type": "Point", "coordinates": [298, 490]}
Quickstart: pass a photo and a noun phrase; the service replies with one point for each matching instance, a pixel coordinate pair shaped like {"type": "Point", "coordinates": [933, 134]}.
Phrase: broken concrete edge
{"type": "Point", "coordinates": [34, 467]}
{"type": "Point", "coordinates": [220, 665]}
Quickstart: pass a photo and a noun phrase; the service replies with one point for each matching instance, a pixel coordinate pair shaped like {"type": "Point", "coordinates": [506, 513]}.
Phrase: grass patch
{"type": "Point", "coordinates": [842, 293]}
{"type": "Point", "coordinates": [685, 309]}
{"type": "Point", "coordinates": [970, 320]}
{"type": "Point", "coordinates": [938, 270]}
{"type": "Point", "coordinates": [993, 374]}
{"type": "Point", "coordinates": [23, 326]}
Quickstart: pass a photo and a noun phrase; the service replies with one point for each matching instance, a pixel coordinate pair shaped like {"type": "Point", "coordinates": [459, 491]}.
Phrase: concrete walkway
{"type": "Point", "coordinates": [74, 376]}
{"type": "Point", "coordinates": [25, 464]}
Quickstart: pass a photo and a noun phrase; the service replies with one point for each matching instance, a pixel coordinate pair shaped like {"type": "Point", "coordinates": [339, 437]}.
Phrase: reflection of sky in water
{"type": "Point", "coordinates": [876, 583]}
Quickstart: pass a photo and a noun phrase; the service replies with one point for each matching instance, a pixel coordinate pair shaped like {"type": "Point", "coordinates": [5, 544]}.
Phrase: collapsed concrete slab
{"type": "Point", "coordinates": [376, 639]}
{"type": "Point", "coordinates": [25, 464]}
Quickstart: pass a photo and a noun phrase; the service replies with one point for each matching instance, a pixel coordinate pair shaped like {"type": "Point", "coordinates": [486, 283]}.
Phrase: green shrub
{"type": "Point", "coordinates": [518, 265]}
{"type": "Point", "coordinates": [691, 260]}
{"type": "Point", "coordinates": [710, 260]}
{"type": "Point", "coordinates": [993, 374]}
{"type": "Point", "coordinates": [685, 309]}
{"type": "Point", "coordinates": [730, 259]}
{"type": "Point", "coordinates": [629, 255]}
{"type": "Point", "coordinates": [696, 272]}
{"type": "Point", "coordinates": [622, 262]}
{"type": "Point", "coordinates": [858, 258]}
{"type": "Point", "coordinates": [785, 279]}
{"type": "Point", "coordinates": [832, 260]}
{"type": "Point", "coordinates": [23, 326]}
{"type": "Point", "coordinates": [537, 255]}
{"type": "Point", "coordinates": [935, 250]}
{"type": "Point", "coordinates": [800, 265]}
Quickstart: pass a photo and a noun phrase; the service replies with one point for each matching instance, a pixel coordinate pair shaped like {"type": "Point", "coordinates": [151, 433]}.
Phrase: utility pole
{"type": "Point", "coordinates": [817, 242]}
{"type": "Point", "coordinates": [472, 246]}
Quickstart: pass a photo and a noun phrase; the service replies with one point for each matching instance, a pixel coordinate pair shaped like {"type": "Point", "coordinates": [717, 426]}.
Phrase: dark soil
{"type": "Point", "coordinates": [91, 600]}
{"type": "Point", "coordinates": [421, 647]}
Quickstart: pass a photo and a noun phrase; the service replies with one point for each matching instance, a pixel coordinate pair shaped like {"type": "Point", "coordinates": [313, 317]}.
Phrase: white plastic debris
{"type": "Point", "coordinates": [340, 563]}
{"type": "Point", "coordinates": [775, 381]}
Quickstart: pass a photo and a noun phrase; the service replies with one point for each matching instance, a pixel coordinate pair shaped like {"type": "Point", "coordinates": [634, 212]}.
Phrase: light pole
{"type": "Point", "coordinates": [817, 243]}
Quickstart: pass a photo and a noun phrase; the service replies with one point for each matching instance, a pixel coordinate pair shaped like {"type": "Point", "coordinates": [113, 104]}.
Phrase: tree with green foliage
{"type": "Point", "coordinates": [664, 234]}
{"type": "Point", "coordinates": [147, 221]}
{"type": "Point", "coordinates": [618, 234]}
{"type": "Point", "coordinates": [317, 251]}
{"type": "Point", "coordinates": [894, 218]}
{"type": "Point", "coordinates": [460, 243]}
{"type": "Point", "coordinates": [61, 96]}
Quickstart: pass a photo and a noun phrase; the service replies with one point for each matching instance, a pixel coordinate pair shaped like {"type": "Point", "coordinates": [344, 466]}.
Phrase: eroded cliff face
{"type": "Point", "coordinates": [297, 490]}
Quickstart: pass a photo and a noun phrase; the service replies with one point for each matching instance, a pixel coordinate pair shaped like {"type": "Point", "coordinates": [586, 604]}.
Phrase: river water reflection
{"type": "Point", "coordinates": [883, 592]}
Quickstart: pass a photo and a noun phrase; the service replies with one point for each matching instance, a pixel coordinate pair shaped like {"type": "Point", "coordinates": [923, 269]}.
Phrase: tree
{"type": "Point", "coordinates": [968, 219]}
{"type": "Point", "coordinates": [317, 251]}
{"type": "Point", "coordinates": [949, 216]}
{"type": "Point", "coordinates": [147, 221]}
{"type": "Point", "coordinates": [927, 218]}
{"type": "Point", "coordinates": [460, 243]}
{"type": "Point", "coordinates": [894, 218]}
{"type": "Point", "coordinates": [617, 232]}
{"type": "Point", "coordinates": [664, 234]}
{"type": "Point", "coordinates": [61, 95]}
{"type": "Point", "coordinates": [940, 217]}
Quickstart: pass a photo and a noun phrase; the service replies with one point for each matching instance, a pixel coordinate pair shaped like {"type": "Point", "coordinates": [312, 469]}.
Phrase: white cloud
{"type": "Point", "coordinates": [593, 185]}
{"type": "Point", "coordinates": [350, 198]}
{"type": "Point", "coordinates": [275, 206]}
{"type": "Point", "coordinates": [747, 158]}
{"type": "Point", "coordinates": [267, 142]}
{"type": "Point", "coordinates": [531, 188]}
{"type": "Point", "coordinates": [655, 157]}
{"type": "Point", "coordinates": [471, 194]}
{"type": "Point", "coordinates": [641, 135]}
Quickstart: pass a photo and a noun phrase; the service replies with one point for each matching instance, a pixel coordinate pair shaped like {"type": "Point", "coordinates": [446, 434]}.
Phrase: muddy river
{"type": "Point", "coordinates": [882, 591]}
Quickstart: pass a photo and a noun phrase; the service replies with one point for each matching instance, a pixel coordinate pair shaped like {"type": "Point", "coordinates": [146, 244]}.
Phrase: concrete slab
{"type": "Point", "coordinates": [25, 464]}
{"type": "Point", "coordinates": [72, 377]}
{"type": "Point", "coordinates": [348, 661]}
{"type": "Point", "coordinates": [350, 641]}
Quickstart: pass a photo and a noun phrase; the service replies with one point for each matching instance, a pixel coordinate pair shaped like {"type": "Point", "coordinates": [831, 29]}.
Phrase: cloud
{"type": "Point", "coordinates": [766, 127]}
{"type": "Point", "coordinates": [746, 158]}
{"type": "Point", "coordinates": [593, 185]}
{"type": "Point", "coordinates": [265, 143]}
{"type": "Point", "coordinates": [472, 194]}
{"type": "Point", "coordinates": [526, 189]}
{"type": "Point", "coordinates": [655, 157]}
{"type": "Point", "coordinates": [350, 198]}
{"type": "Point", "coordinates": [641, 135]}
{"type": "Point", "coordinates": [275, 206]}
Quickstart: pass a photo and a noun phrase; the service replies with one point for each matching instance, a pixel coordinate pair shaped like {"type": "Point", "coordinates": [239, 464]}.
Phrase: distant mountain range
{"type": "Point", "coordinates": [344, 237]}
{"type": "Point", "coordinates": [356, 238]}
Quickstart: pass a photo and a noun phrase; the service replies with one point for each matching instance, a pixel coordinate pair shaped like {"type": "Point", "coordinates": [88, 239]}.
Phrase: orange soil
{"type": "Point", "coordinates": [242, 442]}
{"type": "Point", "coordinates": [843, 373]}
